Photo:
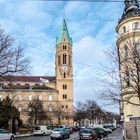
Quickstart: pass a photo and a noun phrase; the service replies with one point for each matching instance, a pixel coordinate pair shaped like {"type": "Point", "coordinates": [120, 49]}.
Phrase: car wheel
{"type": "Point", "coordinates": [68, 136]}
{"type": "Point", "coordinates": [12, 138]}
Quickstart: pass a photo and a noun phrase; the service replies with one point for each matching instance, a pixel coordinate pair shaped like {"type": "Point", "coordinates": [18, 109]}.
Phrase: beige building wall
{"type": "Point", "coordinates": [128, 37]}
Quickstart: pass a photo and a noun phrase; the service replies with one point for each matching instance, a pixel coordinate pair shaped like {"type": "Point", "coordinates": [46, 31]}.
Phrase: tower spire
{"type": "Point", "coordinates": [131, 5]}
{"type": "Point", "coordinates": [64, 34]}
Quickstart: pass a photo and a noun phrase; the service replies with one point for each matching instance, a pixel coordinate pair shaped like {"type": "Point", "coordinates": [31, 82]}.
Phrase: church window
{"type": "Point", "coordinates": [66, 106]}
{"type": "Point", "coordinates": [30, 109]}
{"type": "Point", "coordinates": [0, 98]}
{"type": "Point", "coordinates": [50, 97]}
{"type": "Point", "coordinates": [19, 97]}
{"type": "Point", "coordinates": [135, 25]}
{"type": "Point", "coordinates": [62, 106]}
{"type": "Point", "coordinates": [20, 109]}
{"type": "Point", "coordinates": [59, 60]}
{"type": "Point", "coordinates": [64, 47]}
{"type": "Point", "coordinates": [64, 96]}
{"type": "Point", "coordinates": [40, 97]}
{"type": "Point", "coordinates": [64, 75]}
{"type": "Point", "coordinates": [30, 97]}
{"type": "Point", "coordinates": [69, 60]}
{"type": "Point", "coordinates": [126, 52]}
{"type": "Point", "coordinates": [10, 97]}
{"type": "Point", "coordinates": [64, 58]}
{"type": "Point", "coordinates": [50, 109]}
{"type": "Point", "coordinates": [64, 86]}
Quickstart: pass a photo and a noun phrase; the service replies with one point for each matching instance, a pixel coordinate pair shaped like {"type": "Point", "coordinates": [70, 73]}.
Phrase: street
{"type": "Point", "coordinates": [116, 135]}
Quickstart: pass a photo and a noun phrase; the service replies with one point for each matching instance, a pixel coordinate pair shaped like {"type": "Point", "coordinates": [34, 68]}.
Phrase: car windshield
{"type": "Point", "coordinates": [87, 131]}
{"type": "Point", "coordinates": [57, 129]}
{"type": "Point", "coordinates": [3, 131]}
{"type": "Point", "coordinates": [37, 128]}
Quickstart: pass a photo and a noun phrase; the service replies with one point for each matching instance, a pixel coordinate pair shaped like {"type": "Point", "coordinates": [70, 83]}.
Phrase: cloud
{"type": "Point", "coordinates": [35, 25]}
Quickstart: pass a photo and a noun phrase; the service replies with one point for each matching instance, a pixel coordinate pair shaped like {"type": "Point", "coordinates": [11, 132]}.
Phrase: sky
{"type": "Point", "coordinates": [36, 24]}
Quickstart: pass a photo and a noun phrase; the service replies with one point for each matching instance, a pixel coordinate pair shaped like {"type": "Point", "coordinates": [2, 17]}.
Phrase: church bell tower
{"type": "Point", "coordinates": [64, 70]}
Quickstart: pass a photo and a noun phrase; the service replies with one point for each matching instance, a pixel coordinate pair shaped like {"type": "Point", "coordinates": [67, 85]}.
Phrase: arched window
{"type": "Point", "coordinates": [64, 58]}
{"type": "Point", "coordinates": [30, 97]}
{"type": "Point", "coordinates": [127, 77]}
{"type": "Point", "coordinates": [64, 75]}
{"type": "Point", "coordinates": [123, 29]}
{"type": "Point", "coordinates": [40, 98]}
{"type": "Point", "coordinates": [59, 60]}
{"type": "Point", "coordinates": [135, 25]}
{"type": "Point", "coordinates": [0, 98]}
{"type": "Point", "coordinates": [50, 97]}
{"type": "Point", "coordinates": [50, 109]}
{"type": "Point", "coordinates": [69, 60]}
{"type": "Point", "coordinates": [126, 52]}
{"type": "Point", "coordinates": [30, 109]}
{"type": "Point", "coordinates": [20, 109]}
{"type": "Point", "coordinates": [19, 97]}
{"type": "Point", "coordinates": [10, 97]}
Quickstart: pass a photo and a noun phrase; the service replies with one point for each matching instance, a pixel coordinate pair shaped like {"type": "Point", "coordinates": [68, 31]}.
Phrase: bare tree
{"type": "Point", "coordinates": [123, 73]}
{"type": "Point", "coordinates": [36, 112]}
{"type": "Point", "coordinates": [58, 112]}
{"type": "Point", "coordinates": [12, 60]}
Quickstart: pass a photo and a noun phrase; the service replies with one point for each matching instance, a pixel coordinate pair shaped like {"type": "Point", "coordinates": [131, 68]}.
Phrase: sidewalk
{"type": "Point", "coordinates": [116, 135]}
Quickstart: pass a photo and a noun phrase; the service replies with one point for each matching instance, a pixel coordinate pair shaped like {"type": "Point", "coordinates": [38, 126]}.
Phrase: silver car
{"type": "Point", "coordinates": [5, 135]}
{"type": "Point", "coordinates": [59, 133]}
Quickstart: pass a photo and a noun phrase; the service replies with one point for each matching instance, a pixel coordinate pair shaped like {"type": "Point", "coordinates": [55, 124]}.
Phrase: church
{"type": "Point", "coordinates": [55, 92]}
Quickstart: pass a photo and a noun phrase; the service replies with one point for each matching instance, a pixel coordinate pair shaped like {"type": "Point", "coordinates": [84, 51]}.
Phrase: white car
{"type": "Point", "coordinates": [5, 135]}
{"type": "Point", "coordinates": [42, 130]}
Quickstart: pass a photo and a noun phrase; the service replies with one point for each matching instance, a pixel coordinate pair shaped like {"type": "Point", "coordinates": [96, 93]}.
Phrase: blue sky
{"type": "Point", "coordinates": [35, 25]}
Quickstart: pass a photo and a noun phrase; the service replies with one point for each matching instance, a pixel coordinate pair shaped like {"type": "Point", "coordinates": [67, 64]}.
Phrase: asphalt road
{"type": "Point", "coordinates": [73, 136]}
{"type": "Point", "coordinates": [116, 135]}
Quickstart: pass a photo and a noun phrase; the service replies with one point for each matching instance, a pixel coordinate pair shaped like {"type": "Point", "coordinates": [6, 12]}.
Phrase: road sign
{"type": "Point", "coordinates": [135, 118]}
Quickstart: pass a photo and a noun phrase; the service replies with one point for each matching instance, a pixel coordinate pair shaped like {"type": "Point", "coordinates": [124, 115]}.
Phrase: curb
{"type": "Point", "coordinates": [23, 135]}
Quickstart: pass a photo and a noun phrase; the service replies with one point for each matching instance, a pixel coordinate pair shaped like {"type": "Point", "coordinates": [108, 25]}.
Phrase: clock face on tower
{"type": "Point", "coordinates": [64, 68]}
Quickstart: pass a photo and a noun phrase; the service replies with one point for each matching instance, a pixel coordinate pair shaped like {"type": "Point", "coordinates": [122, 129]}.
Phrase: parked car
{"type": "Point", "coordinates": [42, 130]}
{"type": "Point", "coordinates": [87, 134]}
{"type": "Point", "coordinates": [110, 126]}
{"type": "Point", "coordinates": [75, 129]}
{"type": "Point", "coordinates": [59, 133]}
{"type": "Point", "coordinates": [100, 132]}
{"type": "Point", "coordinates": [69, 129]}
{"type": "Point", "coordinates": [5, 135]}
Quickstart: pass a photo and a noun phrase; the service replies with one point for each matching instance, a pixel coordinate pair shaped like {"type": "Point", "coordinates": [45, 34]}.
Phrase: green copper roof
{"type": "Point", "coordinates": [64, 32]}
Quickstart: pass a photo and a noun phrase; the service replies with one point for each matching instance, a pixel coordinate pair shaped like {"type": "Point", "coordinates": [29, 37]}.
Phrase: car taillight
{"type": "Point", "coordinates": [81, 134]}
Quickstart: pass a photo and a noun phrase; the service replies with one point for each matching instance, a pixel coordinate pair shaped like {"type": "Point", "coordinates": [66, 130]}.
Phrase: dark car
{"type": "Point", "coordinates": [87, 134]}
{"type": "Point", "coordinates": [100, 132]}
{"type": "Point", "coordinates": [69, 129]}
{"type": "Point", "coordinates": [75, 128]}
{"type": "Point", "coordinates": [59, 133]}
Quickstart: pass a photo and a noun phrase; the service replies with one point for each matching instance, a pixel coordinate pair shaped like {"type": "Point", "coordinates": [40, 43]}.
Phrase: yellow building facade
{"type": "Point", "coordinates": [128, 44]}
{"type": "Point", "coordinates": [55, 92]}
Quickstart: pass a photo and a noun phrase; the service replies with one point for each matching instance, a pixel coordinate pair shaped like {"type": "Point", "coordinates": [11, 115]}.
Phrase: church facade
{"type": "Point", "coordinates": [55, 92]}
